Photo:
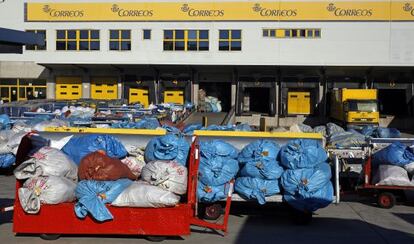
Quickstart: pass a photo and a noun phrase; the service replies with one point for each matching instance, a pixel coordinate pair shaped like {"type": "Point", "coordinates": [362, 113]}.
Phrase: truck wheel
{"type": "Point", "coordinates": [213, 212]}
{"type": "Point", "coordinates": [155, 238]}
{"type": "Point", "coordinates": [49, 237]}
{"type": "Point", "coordinates": [386, 200]}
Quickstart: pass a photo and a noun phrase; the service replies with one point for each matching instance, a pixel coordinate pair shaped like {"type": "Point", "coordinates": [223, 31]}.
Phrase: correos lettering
{"type": "Point", "coordinates": [135, 13]}
{"type": "Point", "coordinates": [205, 13]}
{"type": "Point", "coordinates": [66, 13]}
{"type": "Point", "coordinates": [353, 12]}
{"type": "Point", "coordinates": [278, 12]}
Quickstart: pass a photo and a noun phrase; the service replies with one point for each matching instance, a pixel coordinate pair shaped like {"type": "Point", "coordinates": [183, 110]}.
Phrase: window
{"type": "Point", "coordinates": [230, 40]}
{"type": "Point", "coordinates": [292, 33]}
{"type": "Point", "coordinates": [37, 47]}
{"type": "Point", "coordinates": [77, 40]}
{"type": "Point", "coordinates": [186, 40]}
{"type": "Point", "coordinates": [120, 40]}
{"type": "Point", "coordinates": [146, 34]}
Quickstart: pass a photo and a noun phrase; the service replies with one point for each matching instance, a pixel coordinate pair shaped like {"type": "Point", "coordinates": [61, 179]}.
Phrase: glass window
{"type": "Point", "coordinates": [120, 40]}
{"type": "Point", "coordinates": [83, 45]}
{"type": "Point", "coordinates": [94, 34]}
{"type": "Point", "coordinates": [186, 40]}
{"type": "Point", "coordinates": [230, 40]}
{"type": "Point", "coordinates": [84, 34]}
{"type": "Point", "coordinates": [78, 40]}
{"type": "Point", "coordinates": [310, 33]}
{"type": "Point", "coordinates": [294, 33]}
{"type": "Point", "coordinates": [302, 33]}
{"type": "Point", "coordinates": [287, 33]}
{"type": "Point", "coordinates": [71, 34]}
{"type": "Point", "coordinates": [61, 34]}
{"type": "Point", "coordinates": [272, 33]}
{"type": "Point", "coordinates": [317, 33]}
{"type": "Point", "coordinates": [147, 34]}
{"type": "Point", "coordinates": [42, 33]}
{"type": "Point", "coordinates": [265, 33]}
{"type": "Point", "coordinates": [60, 45]}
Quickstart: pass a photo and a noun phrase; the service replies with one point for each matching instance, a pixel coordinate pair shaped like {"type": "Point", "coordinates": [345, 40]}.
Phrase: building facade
{"type": "Point", "coordinates": [279, 59]}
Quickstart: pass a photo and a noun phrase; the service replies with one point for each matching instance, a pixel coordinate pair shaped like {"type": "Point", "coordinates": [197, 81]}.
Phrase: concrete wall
{"type": "Point", "coordinates": [341, 43]}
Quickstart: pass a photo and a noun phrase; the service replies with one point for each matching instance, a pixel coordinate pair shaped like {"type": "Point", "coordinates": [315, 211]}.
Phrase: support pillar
{"type": "Point", "coordinates": [86, 86]}
{"type": "Point", "coordinates": [51, 87]}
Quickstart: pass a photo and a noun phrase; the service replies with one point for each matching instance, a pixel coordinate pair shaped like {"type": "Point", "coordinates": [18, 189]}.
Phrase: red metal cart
{"type": "Point", "coordinates": [386, 195]}
{"type": "Point", "coordinates": [154, 223]}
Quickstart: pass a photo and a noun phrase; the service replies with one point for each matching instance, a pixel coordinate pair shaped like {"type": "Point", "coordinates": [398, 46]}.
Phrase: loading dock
{"type": "Point", "coordinates": [104, 88]}
{"type": "Point", "coordinates": [256, 97]}
{"type": "Point", "coordinates": [68, 88]}
{"type": "Point", "coordinates": [174, 91]}
{"type": "Point", "coordinates": [299, 102]}
{"type": "Point", "coordinates": [220, 90]}
{"type": "Point", "coordinates": [139, 90]}
{"type": "Point", "coordinates": [301, 96]}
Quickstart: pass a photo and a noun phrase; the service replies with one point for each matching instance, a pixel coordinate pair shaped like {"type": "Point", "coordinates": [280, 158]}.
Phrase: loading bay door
{"type": "Point", "coordinates": [174, 97]}
{"type": "Point", "coordinates": [139, 95]}
{"type": "Point", "coordinates": [68, 88]}
{"type": "Point", "coordinates": [104, 88]}
{"type": "Point", "coordinates": [299, 103]}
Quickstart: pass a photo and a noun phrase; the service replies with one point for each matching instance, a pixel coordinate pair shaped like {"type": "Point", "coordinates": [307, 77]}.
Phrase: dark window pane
{"type": "Point", "coordinates": [113, 34]}
{"type": "Point", "coordinates": [147, 34]}
{"type": "Point", "coordinates": [236, 46]}
{"type": "Point", "coordinates": [265, 33]}
{"type": "Point", "coordinates": [236, 34]}
{"type": "Point", "coordinates": [94, 45]}
{"type": "Point", "coordinates": [224, 46]}
{"type": "Point", "coordinates": [287, 33]}
{"type": "Point", "coordinates": [71, 45]}
{"type": "Point", "coordinates": [192, 46]}
{"type": "Point", "coordinates": [94, 34]}
{"type": "Point", "coordinates": [42, 32]}
{"type": "Point", "coordinates": [60, 45]}
{"type": "Point", "coordinates": [83, 45]}
{"type": "Point", "coordinates": [168, 46]}
{"type": "Point", "coordinates": [310, 33]}
{"type": "Point", "coordinates": [113, 45]}
{"type": "Point", "coordinates": [179, 34]}
{"type": "Point", "coordinates": [203, 46]}
{"type": "Point", "coordinates": [4, 91]}
{"type": "Point", "coordinates": [126, 34]}
{"type": "Point", "coordinates": [168, 34]}
{"type": "Point", "coordinates": [30, 47]}
{"type": "Point", "coordinates": [41, 47]}
{"type": "Point", "coordinates": [126, 45]}
{"type": "Point", "coordinates": [84, 34]}
{"type": "Point", "coordinates": [272, 33]}
{"type": "Point", "coordinates": [224, 34]}
{"type": "Point", "coordinates": [179, 46]}
{"type": "Point", "coordinates": [71, 34]}
{"type": "Point", "coordinates": [302, 33]}
{"type": "Point", "coordinates": [294, 33]}
{"type": "Point", "coordinates": [60, 34]}
{"type": "Point", "coordinates": [317, 33]}
{"type": "Point", "coordinates": [203, 34]}
{"type": "Point", "coordinates": [192, 34]}
{"type": "Point", "coordinates": [22, 92]}
{"type": "Point", "coordinates": [30, 31]}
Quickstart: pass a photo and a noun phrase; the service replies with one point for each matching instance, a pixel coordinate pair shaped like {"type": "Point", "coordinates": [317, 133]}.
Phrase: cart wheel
{"type": "Point", "coordinates": [213, 211]}
{"type": "Point", "coordinates": [49, 237]}
{"type": "Point", "coordinates": [386, 200]}
{"type": "Point", "coordinates": [155, 238]}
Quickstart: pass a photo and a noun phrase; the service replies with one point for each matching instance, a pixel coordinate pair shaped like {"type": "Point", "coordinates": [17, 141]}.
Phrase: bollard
{"type": "Point", "coordinates": [262, 126]}
{"type": "Point", "coordinates": [205, 121]}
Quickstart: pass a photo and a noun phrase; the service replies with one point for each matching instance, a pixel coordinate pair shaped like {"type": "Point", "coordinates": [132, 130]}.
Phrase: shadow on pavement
{"type": "Point", "coordinates": [409, 218]}
{"type": "Point", "coordinates": [6, 217]}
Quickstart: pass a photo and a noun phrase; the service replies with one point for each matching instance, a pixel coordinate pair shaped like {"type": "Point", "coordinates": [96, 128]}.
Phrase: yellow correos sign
{"type": "Point", "coordinates": [222, 11]}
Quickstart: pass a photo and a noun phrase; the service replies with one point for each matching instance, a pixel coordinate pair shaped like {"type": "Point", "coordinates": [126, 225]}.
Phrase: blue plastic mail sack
{"type": "Point", "coordinates": [259, 150]}
{"type": "Point", "coordinates": [92, 196]}
{"type": "Point", "coordinates": [79, 147]}
{"type": "Point", "coordinates": [207, 193]}
{"type": "Point", "coordinates": [168, 147]}
{"type": "Point", "coordinates": [388, 133]}
{"type": "Point", "coordinates": [7, 160]}
{"type": "Point", "coordinates": [5, 122]}
{"type": "Point", "coordinates": [264, 169]}
{"type": "Point", "coordinates": [255, 188]}
{"type": "Point", "coordinates": [145, 123]}
{"type": "Point", "coordinates": [217, 170]}
{"type": "Point", "coordinates": [395, 154]}
{"type": "Point", "coordinates": [302, 153]}
{"type": "Point", "coordinates": [306, 181]}
{"type": "Point", "coordinates": [214, 148]}
{"type": "Point", "coordinates": [171, 129]}
{"type": "Point", "coordinates": [190, 128]}
{"type": "Point", "coordinates": [312, 202]}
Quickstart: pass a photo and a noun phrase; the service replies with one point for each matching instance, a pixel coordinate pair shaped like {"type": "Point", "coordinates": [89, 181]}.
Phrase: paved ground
{"type": "Point", "coordinates": [349, 222]}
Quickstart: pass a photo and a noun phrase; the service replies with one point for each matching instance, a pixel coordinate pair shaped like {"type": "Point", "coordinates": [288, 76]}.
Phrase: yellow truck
{"type": "Point", "coordinates": [355, 107]}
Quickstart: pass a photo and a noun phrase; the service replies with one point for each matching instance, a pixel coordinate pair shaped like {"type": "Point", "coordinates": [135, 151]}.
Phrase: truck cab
{"type": "Point", "coordinates": [361, 112]}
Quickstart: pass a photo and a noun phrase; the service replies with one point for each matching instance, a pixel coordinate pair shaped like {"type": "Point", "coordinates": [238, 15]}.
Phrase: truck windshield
{"type": "Point", "coordinates": [363, 106]}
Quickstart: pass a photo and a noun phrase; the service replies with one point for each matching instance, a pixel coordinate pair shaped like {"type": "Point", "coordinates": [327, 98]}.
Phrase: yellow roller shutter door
{"type": "Point", "coordinates": [139, 95]}
{"type": "Point", "coordinates": [104, 88]}
{"type": "Point", "coordinates": [68, 88]}
{"type": "Point", "coordinates": [174, 97]}
{"type": "Point", "coordinates": [299, 103]}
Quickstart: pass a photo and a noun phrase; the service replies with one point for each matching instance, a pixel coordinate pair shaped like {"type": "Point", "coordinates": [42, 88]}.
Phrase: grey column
{"type": "Point", "coordinates": [120, 88]}
{"type": "Point", "coordinates": [51, 87]}
{"type": "Point", "coordinates": [86, 86]}
{"type": "Point", "coordinates": [277, 87]}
